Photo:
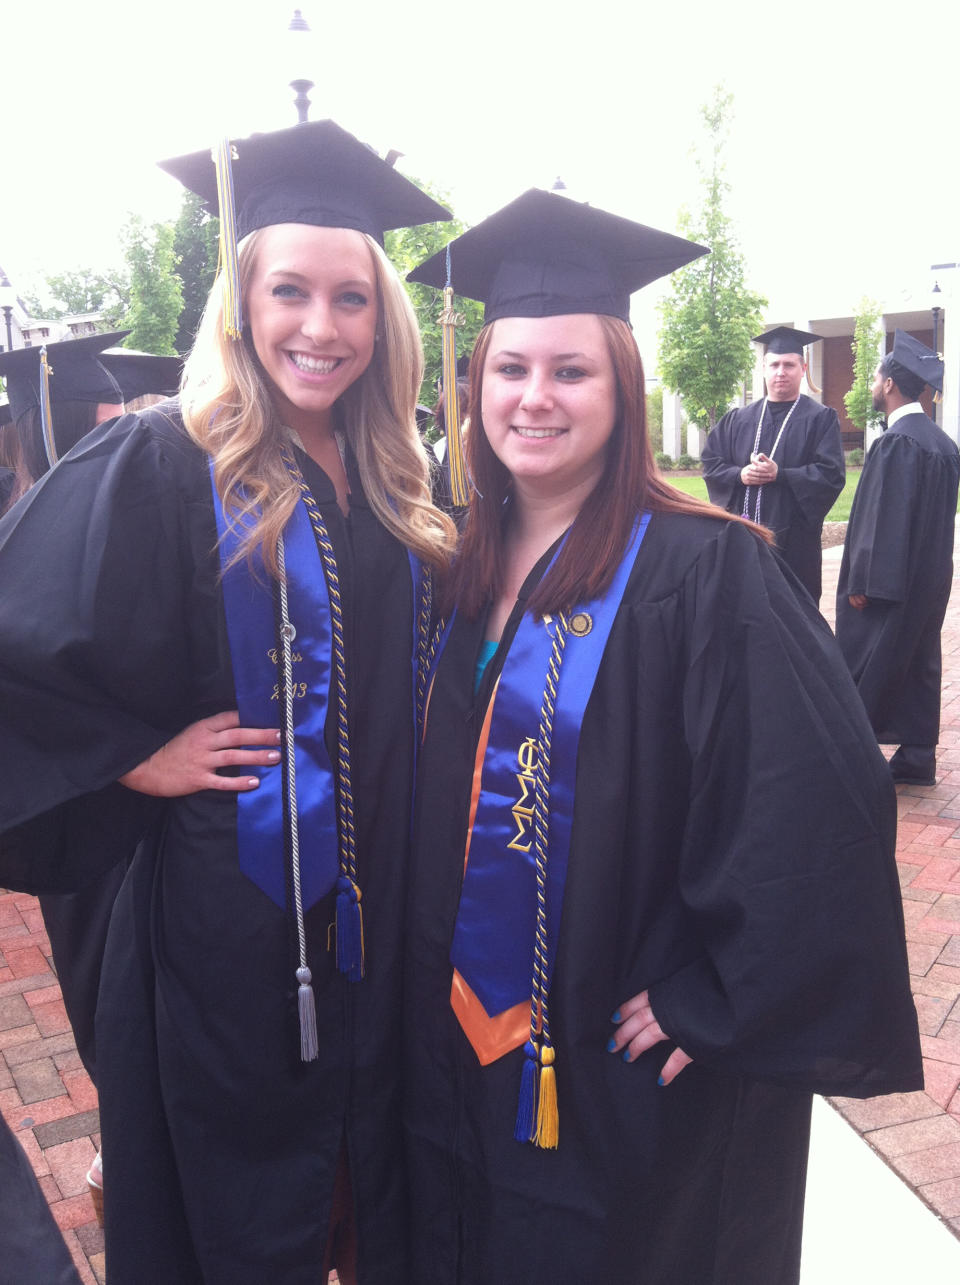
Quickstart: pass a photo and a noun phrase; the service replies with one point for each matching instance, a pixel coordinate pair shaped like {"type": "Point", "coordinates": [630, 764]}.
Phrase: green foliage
{"type": "Point", "coordinates": [867, 350]}
{"type": "Point", "coordinates": [83, 290]}
{"type": "Point", "coordinates": [655, 418]}
{"type": "Point", "coordinates": [408, 247]}
{"type": "Point", "coordinates": [195, 236]}
{"type": "Point", "coordinates": [156, 293]}
{"type": "Point", "coordinates": [855, 457]}
{"type": "Point", "coordinates": [710, 316]}
{"type": "Point", "coordinates": [663, 461]}
{"type": "Point", "coordinates": [687, 462]}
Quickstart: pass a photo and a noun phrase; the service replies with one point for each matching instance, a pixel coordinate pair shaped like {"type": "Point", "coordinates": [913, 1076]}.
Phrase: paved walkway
{"type": "Point", "coordinates": [51, 1105]}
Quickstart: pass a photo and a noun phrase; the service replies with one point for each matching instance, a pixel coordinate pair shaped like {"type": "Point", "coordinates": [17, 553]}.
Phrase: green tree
{"type": "Point", "coordinates": [408, 247]}
{"type": "Point", "coordinates": [156, 292]}
{"type": "Point", "coordinates": [195, 236]}
{"type": "Point", "coordinates": [867, 348]}
{"type": "Point", "coordinates": [83, 290]}
{"type": "Point", "coordinates": [710, 315]}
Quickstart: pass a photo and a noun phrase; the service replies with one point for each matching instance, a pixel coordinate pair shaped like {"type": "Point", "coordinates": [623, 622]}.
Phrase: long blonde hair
{"type": "Point", "coordinates": [226, 408]}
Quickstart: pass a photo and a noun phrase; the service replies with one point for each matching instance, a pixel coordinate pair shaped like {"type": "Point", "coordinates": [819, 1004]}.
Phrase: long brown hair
{"type": "Point", "coordinates": [629, 485]}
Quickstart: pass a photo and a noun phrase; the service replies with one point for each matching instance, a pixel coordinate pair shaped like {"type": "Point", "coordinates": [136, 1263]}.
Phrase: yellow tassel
{"type": "Point", "coordinates": [46, 410]}
{"type": "Point", "coordinates": [548, 1115]}
{"type": "Point", "coordinates": [223, 155]}
{"type": "Point", "coordinates": [449, 320]}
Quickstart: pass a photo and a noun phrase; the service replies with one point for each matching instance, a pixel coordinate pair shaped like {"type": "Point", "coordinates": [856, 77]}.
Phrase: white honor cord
{"type": "Point", "coordinates": [773, 450]}
{"type": "Point", "coordinates": [287, 635]}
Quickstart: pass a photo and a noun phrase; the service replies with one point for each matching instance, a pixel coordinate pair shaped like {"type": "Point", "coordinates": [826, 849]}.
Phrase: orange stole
{"type": "Point", "coordinates": [491, 1037]}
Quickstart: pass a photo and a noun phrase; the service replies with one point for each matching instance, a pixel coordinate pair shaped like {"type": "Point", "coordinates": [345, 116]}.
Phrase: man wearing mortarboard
{"type": "Point", "coordinates": [779, 460]}
{"type": "Point", "coordinates": [898, 564]}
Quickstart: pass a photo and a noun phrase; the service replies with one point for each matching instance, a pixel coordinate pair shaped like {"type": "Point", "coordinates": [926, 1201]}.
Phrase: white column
{"type": "Point", "coordinates": [693, 441]}
{"type": "Point", "coordinates": [672, 425]}
{"type": "Point", "coordinates": [950, 347]}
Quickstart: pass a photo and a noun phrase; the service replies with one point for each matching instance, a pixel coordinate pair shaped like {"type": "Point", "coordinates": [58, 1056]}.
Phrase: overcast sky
{"type": "Point", "coordinates": [842, 159]}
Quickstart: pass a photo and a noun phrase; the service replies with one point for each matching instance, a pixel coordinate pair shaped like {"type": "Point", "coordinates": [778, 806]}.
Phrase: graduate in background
{"type": "Point", "coordinates": [32, 1248]}
{"type": "Point", "coordinates": [779, 461]}
{"type": "Point", "coordinates": [897, 566]}
{"type": "Point", "coordinates": [653, 904]}
{"type": "Point", "coordinates": [262, 546]}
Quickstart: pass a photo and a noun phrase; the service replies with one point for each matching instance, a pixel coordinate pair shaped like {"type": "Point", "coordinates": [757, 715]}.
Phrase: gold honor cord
{"type": "Point", "coordinates": [223, 155]}
{"type": "Point", "coordinates": [46, 413]}
{"type": "Point", "coordinates": [449, 321]}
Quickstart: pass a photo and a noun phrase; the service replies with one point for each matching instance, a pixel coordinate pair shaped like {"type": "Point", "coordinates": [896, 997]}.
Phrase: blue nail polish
{"type": "Point", "coordinates": [611, 1045]}
{"type": "Point", "coordinates": [616, 1016]}
{"type": "Point", "coordinates": [626, 1055]}
{"type": "Point", "coordinates": [661, 1081]}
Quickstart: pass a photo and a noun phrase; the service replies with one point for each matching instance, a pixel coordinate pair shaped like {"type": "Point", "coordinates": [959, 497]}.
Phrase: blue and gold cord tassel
{"type": "Point", "coordinates": [223, 156]}
{"type": "Point", "coordinates": [538, 1115]}
{"type": "Point", "coordinates": [46, 411]}
{"type": "Point", "coordinates": [350, 948]}
{"type": "Point", "coordinates": [450, 319]}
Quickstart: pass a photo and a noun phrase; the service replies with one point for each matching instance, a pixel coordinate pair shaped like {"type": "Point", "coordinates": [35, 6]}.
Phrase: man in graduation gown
{"type": "Point", "coordinates": [898, 564]}
{"type": "Point", "coordinates": [780, 461]}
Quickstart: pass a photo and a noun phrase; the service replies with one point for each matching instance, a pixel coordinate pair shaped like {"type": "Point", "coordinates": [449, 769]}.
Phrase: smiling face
{"type": "Point", "coordinates": [549, 400]}
{"type": "Point", "coordinates": [783, 372]}
{"type": "Point", "coordinates": [311, 304]}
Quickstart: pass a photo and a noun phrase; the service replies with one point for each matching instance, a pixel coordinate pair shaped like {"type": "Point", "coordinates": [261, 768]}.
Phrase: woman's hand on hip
{"type": "Point", "coordinates": [638, 1030]}
{"type": "Point", "coordinates": [190, 762]}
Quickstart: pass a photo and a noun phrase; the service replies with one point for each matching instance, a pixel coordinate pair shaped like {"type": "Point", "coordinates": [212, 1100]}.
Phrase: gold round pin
{"type": "Point", "coordinates": [580, 624]}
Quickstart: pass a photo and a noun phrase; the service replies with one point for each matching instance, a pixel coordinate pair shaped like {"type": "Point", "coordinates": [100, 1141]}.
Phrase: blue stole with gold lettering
{"type": "Point", "coordinates": [494, 939]}
{"type": "Point", "coordinates": [252, 629]}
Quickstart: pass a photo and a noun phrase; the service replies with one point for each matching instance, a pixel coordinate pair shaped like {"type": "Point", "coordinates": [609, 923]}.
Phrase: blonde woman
{"type": "Point", "coordinates": [182, 585]}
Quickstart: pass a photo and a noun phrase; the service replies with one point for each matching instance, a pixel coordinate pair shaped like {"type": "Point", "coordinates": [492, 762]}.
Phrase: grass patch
{"type": "Point", "coordinates": [693, 484]}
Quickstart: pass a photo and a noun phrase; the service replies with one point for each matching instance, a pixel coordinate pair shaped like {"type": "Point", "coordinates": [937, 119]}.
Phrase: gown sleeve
{"type": "Point", "coordinates": [787, 860]}
{"type": "Point", "coordinates": [95, 568]}
{"type": "Point", "coordinates": [816, 484]}
{"type": "Point", "coordinates": [720, 471]}
{"type": "Point", "coordinates": [878, 541]}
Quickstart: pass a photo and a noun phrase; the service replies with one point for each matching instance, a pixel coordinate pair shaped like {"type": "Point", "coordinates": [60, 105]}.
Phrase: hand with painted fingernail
{"type": "Point", "coordinates": [192, 760]}
{"type": "Point", "coordinates": [638, 1030]}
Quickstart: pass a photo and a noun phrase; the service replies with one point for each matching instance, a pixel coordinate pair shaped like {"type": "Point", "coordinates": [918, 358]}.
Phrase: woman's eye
{"type": "Point", "coordinates": [286, 291]}
{"type": "Point", "coordinates": [511, 370]}
{"type": "Point", "coordinates": [571, 372]}
{"type": "Point", "coordinates": [354, 299]}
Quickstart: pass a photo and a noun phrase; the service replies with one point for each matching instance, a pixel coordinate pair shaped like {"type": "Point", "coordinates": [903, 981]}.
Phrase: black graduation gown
{"type": "Point", "coordinates": [31, 1246]}
{"type": "Point", "coordinates": [810, 477]}
{"type": "Point", "coordinates": [899, 554]}
{"type": "Point", "coordinates": [221, 1146]}
{"type": "Point", "coordinates": [732, 850]}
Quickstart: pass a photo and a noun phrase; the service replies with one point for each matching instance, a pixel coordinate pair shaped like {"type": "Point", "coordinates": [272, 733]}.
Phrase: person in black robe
{"type": "Point", "coordinates": [730, 891]}
{"type": "Point", "coordinates": [780, 461]}
{"type": "Point", "coordinates": [897, 567]}
{"type": "Point", "coordinates": [240, 1146]}
{"type": "Point", "coordinates": [31, 1246]}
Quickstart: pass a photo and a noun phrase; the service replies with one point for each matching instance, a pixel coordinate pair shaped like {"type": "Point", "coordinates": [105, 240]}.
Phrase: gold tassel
{"type": "Point", "coordinates": [46, 410]}
{"type": "Point", "coordinates": [449, 320]}
{"type": "Point", "coordinates": [548, 1115]}
{"type": "Point", "coordinates": [223, 155]}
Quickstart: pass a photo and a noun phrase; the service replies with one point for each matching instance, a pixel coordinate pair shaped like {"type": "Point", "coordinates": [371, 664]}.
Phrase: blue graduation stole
{"type": "Point", "coordinates": [494, 950]}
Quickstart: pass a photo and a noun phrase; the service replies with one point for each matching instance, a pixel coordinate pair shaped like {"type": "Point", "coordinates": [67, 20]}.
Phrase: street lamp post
{"type": "Point", "coordinates": [300, 86]}
{"type": "Point", "coordinates": [7, 297]}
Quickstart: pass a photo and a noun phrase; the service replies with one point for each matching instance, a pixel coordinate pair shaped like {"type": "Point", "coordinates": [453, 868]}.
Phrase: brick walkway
{"type": "Point", "coordinates": [50, 1104]}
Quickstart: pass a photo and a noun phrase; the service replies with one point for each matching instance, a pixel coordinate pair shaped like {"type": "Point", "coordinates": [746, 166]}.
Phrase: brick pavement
{"type": "Point", "coordinates": [51, 1105]}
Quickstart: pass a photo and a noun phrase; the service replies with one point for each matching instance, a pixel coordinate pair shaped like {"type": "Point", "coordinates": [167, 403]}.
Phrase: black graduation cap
{"type": "Point", "coordinates": [918, 359]}
{"type": "Point", "coordinates": [545, 255]}
{"type": "Point", "coordinates": [76, 372]}
{"type": "Point", "coordinates": [314, 173]}
{"type": "Point", "coordinates": [784, 339]}
{"type": "Point", "coordinates": [139, 373]}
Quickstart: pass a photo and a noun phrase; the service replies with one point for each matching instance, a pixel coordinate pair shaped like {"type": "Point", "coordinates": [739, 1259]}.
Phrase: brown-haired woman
{"type": "Point", "coordinates": [650, 813]}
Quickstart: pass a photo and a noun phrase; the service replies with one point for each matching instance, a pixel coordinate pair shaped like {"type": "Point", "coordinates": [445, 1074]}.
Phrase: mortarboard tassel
{"type": "Point", "coordinates": [223, 155]}
{"type": "Point", "coordinates": [350, 956]}
{"type": "Point", "coordinates": [46, 411]}
{"type": "Point", "coordinates": [449, 321]}
{"type": "Point", "coordinates": [526, 1127]}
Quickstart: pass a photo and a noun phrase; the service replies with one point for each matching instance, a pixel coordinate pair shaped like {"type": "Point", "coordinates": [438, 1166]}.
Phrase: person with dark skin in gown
{"type": "Point", "coordinates": [653, 903]}
{"type": "Point", "coordinates": [780, 460]}
{"type": "Point", "coordinates": [897, 568]}
{"type": "Point", "coordinates": [208, 627]}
